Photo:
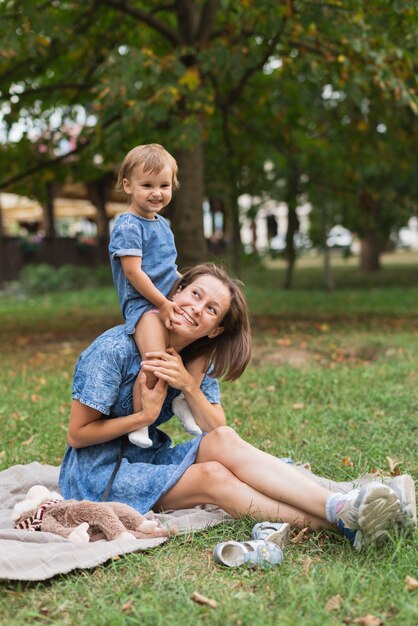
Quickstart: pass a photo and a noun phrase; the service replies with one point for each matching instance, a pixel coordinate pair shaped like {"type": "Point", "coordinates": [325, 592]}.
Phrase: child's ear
{"type": "Point", "coordinates": [126, 185]}
{"type": "Point", "coordinates": [216, 332]}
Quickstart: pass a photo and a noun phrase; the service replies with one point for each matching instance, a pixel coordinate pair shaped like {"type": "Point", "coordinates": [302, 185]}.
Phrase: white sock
{"type": "Point", "coordinates": [331, 506]}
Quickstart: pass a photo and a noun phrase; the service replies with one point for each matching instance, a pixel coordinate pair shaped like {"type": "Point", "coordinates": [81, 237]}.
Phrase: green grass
{"type": "Point", "coordinates": [333, 381]}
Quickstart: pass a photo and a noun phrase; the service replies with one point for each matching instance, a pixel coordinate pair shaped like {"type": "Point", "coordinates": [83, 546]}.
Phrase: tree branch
{"type": "Point", "coordinates": [38, 167]}
{"type": "Point", "coordinates": [207, 20]}
{"type": "Point", "coordinates": [49, 88]}
{"type": "Point", "coordinates": [235, 92]}
{"type": "Point", "coordinates": [145, 18]}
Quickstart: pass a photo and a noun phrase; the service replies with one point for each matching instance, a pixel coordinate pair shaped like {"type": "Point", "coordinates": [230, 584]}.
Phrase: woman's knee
{"type": "Point", "coordinates": [215, 477]}
{"type": "Point", "coordinates": [224, 437]}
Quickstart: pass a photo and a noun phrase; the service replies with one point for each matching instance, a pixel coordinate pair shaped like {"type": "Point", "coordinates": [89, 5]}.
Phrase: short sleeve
{"type": "Point", "coordinates": [126, 238]}
{"type": "Point", "coordinates": [210, 388]}
{"type": "Point", "coordinates": [98, 376]}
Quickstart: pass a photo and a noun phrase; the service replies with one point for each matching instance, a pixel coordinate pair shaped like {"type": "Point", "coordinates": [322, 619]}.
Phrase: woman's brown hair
{"type": "Point", "coordinates": [227, 354]}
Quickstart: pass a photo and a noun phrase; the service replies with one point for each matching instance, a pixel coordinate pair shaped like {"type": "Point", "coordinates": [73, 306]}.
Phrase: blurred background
{"type": "Point", "coordinates": [293, 124]}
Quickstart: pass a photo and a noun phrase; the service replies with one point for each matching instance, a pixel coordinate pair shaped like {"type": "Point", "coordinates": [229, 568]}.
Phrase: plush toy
{"type": "Point", "coordinates": [82, 521]}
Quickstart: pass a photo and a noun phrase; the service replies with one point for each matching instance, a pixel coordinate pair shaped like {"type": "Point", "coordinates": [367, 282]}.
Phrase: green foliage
{"type": "Point", "coordinates": [44, 278]}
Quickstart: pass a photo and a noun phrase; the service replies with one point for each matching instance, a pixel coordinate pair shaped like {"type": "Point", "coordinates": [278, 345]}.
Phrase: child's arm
{"type": "Point", "coordinates": [143, 284]}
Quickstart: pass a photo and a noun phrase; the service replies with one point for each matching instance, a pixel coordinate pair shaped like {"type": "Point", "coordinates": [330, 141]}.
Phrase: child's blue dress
{"type": "Point", "coordinates": [103, 379]}
{"type": "Point", "coordinates": [153, 241]}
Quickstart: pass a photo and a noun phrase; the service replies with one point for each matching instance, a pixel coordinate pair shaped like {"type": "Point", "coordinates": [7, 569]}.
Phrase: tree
{"type": "Point", "coordinates": [123, 72]}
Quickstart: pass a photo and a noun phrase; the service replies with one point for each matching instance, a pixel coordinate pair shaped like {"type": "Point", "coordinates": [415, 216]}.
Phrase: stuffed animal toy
{"type": "Point", "coordinates": [82, 521]}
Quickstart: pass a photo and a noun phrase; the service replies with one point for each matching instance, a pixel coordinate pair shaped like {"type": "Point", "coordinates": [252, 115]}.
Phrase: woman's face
{"type": "Point", "coordinates": [204, 303]}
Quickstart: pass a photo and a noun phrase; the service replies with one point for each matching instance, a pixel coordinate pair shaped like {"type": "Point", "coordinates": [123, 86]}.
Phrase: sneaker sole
{"type": "Point", "coordinates": [404, 487]}
{"type": "Point", "coordinates": [377, 512]}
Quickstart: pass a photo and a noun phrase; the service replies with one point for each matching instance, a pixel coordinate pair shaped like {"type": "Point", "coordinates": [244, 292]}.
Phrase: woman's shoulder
{"type": "Point", "coordinates": [113, 343]}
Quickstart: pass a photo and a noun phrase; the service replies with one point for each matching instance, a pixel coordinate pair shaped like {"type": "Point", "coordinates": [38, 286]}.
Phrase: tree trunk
{"type": "Point", "coordinates": [236, 236]}
{"type": "Point", "coordinates": [98, 193]}
{"type": "Point", "coordinates": [370, 251]}
{"type": "Point", "coordinates": [2, 264]}
{"type": "Point", "coordinates": [328, 278]}
{"type": "Point", "coordinates": [49, 223]}
{"type": "Point", "coordinates": [187, 222]}
{"type": "Point", "coordinates": [292, 228]}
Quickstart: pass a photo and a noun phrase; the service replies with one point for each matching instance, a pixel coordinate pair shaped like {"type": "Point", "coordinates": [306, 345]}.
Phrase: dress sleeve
{"type": "Point", "coordinates": [210, 388]}
{"type": "Point", "coordinates": [98, 377]}
{"type": "Point", "coordinates": [126, 238]}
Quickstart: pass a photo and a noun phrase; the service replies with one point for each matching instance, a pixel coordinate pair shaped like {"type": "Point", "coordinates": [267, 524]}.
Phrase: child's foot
{"type": "Point", "coordinates": [140, 438]}
{"type": "Point", "coordinates": [183, 412]}
{"type": "Point", "coordinates": [365, 515]}
{"type": "Point", "coordinates": [404, 487]}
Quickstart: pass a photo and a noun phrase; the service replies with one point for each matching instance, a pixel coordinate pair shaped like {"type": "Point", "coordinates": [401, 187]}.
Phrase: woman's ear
{"type": "Point", "coordinates": [216, 331]}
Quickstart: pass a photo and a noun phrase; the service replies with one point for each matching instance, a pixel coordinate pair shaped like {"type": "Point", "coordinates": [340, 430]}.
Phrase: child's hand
{"type": "Point", "coordinates": [167, 313]}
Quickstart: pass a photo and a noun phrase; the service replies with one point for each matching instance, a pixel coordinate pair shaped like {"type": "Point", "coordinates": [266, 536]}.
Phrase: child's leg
{"type": "Point", "coordinates": [150, 334]}
{"type": "Point", "coordinates": [180, 406]}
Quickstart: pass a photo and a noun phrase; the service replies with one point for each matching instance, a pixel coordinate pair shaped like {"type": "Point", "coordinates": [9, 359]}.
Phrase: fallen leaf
{"type": "Point", "coordinates": [271, 388]}
{"type": "Point", "coordinates": [300, 536]}
{"type": "Point", "coordinates": [285, 341]}
{"type": "Point", "coordinates": [368, 620]}
{"type": "Point", "coordinates": [28, 441]}
{"type": "Point", "coordinates": [298, 405]}
{"type": "Point", "coordinates": [237, 422]}
{"type": "Point", "coordinates": [411, 583]}
{"type": "Point", "coordinates": [308, 562]}
{"type": "Point", "coordinates": [393, 466]}
{"type": "Point", "coordinates": [197, 597]}
{"type": "Point", "coordinates": [2, 454]}
{"type": "Point", "coordinates": [333, 604]}
{"type": "Point", "coordinates": [35, 398]}
{"type": "Point", "coordinates": [115, 558]}
{"type": "Point", "coordinates": [347, 461]}
{"type": "Point", "coordinates": [127, 607]}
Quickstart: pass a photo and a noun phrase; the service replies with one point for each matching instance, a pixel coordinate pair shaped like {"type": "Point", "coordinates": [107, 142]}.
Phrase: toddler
{"type": "Point", "coordinates": [143, 259]}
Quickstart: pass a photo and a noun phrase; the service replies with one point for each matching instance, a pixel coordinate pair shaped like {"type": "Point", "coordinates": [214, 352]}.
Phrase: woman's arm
{"type": "Point", "coordinates": [88, 427]}
{"type": "Point", "coordinates": [168, 366]}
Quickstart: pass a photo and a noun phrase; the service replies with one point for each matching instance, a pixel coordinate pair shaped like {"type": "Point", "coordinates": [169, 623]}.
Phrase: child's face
{"type": "Point", "coordinates": [149, 192]}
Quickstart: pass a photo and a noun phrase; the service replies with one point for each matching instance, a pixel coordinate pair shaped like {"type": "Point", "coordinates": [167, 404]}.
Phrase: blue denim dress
{"type": "Point", "coordinates": [153, 241]}
{"type": "Point", "coordinates": [103, 379]}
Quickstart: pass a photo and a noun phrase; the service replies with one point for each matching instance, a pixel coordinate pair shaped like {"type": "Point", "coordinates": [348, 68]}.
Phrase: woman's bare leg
{"type": "Point", "coordinates": [263, 472]}
{"type": "Point", "coordinates": [212, 483]}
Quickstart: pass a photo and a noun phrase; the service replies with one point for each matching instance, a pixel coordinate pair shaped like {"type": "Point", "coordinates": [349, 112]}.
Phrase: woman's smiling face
{"type": "Point", "coordinates": [204, 304]}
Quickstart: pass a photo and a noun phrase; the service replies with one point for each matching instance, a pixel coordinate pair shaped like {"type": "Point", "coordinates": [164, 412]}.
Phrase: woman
{"type": "Point", "coordinates": [217, 467]}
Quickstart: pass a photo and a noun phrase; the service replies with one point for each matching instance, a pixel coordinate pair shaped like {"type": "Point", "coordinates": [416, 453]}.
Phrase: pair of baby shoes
{"type": "Point", "coordinates": [266, 548]}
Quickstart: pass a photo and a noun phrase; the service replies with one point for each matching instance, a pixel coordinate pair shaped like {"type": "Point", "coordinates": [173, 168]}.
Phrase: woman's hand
{"type": "Point", "coordinates": [168, 366]}
{"type": "Point", "coordinates": [88, 427]}
{"type": "Point", "coordinates": [152, 400]}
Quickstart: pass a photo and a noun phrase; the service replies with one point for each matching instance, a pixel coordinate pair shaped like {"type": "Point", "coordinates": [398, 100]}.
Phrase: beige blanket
{"type": "Point", "coordinates": [28, 555]}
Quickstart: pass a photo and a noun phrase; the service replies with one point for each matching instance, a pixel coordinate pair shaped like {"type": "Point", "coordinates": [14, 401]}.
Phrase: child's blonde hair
{"type": "Point", "coordinates": [152, 158]}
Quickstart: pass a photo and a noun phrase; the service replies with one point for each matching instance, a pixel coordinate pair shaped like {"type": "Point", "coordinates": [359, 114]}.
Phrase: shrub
{"type": "Point", "coordinates": [44, 278]}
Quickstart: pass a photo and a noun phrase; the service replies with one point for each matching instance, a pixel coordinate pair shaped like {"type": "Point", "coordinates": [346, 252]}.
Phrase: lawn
{"type": "Point", "coordinates": [333, 381]}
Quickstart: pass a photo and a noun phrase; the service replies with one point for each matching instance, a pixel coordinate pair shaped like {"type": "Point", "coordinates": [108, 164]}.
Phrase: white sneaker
{"type": "Point", "coordinates": [366, 515]}
{"type": "Point", "coordinates": [404, 487]}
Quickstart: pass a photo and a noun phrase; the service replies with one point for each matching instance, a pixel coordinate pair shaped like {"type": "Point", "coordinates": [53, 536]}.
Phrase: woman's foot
{"type": "Point", "coordinates": [365, 515]}
{"type": "Point", "coordinates": [404, 487]}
